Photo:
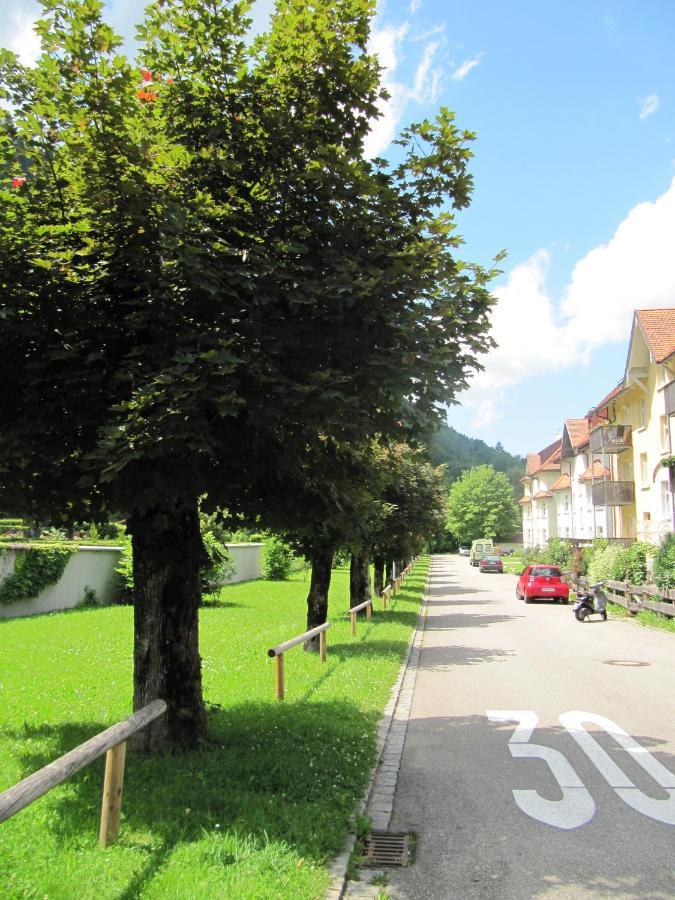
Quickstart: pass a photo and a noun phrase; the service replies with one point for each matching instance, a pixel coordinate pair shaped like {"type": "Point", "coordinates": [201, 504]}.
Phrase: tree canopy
{"type": "Point", "coordinates": [201, 274]}
{"type": "Point", "coordinates": [481, 504]}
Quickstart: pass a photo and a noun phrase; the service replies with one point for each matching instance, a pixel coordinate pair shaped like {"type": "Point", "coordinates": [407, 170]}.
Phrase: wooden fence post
{"type": "Point", "coordinates": [352, 616]}
{"type": "Point", "coordinates": [322, 646]}
{"type": "Point", "coordinates": [279, 676]}
{"type": "Point", "coordinates": [369, 612]}
{"type": "Point", "coordinates": [113, 783]}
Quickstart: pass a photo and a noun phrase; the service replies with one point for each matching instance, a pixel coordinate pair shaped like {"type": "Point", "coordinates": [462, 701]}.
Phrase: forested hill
{"type": "Point", "coordinates": [459, 452]}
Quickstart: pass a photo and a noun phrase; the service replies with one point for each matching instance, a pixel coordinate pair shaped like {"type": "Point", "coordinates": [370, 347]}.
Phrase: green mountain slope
{"type": "Point", "coordinates": [459, 452]}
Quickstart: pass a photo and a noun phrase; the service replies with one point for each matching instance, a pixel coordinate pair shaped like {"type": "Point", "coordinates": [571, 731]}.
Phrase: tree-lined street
{"type": "Point", "coordinates": [511, 776]}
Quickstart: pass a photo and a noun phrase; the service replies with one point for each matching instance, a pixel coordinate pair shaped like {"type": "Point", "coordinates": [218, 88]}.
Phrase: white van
{"type": "Point", "coordinates": [480, 548]}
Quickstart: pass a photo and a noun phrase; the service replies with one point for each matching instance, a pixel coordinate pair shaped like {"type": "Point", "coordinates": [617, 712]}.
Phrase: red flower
{"type": "Point", "coordinates": [18, 182]}
{"type": "Point", "coordinates": [146, 95]}
{"type": "Point", "coordinates": [146, 75]}
{"type": "Point", "coordinates": [169, 79]}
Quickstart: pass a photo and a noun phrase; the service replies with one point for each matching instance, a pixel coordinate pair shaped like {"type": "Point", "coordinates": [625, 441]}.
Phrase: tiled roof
{"type": "Point", "coordinates": [525, 500]}
{"type": "Point", "coordinates": [596, 471]}
{"type": "Point", "coordinates": [658, 327]}
{"type": "Point", "coordinates": [562, 484]}
{"type": "Point", "coordinates": [541, 495]}
{"type": "Point", "coordinates": [578, 432]}
{"type": "Point", "coordinates": [594, 419]}
{"type": "Point", "coordinates": [546, 460]}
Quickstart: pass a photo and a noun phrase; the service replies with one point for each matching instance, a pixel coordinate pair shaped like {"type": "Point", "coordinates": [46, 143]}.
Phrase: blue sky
{"type": "Point", "coordinates": [573, 105]}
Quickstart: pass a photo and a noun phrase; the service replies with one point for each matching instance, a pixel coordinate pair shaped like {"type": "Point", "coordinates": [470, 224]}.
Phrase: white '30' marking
{"type": "Point", "coordinates": [577, 806]}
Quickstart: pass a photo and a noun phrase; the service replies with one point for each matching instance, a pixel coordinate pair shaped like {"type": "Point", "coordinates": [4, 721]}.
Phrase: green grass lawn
{"type": "Point", "coordinates": [260, 812]}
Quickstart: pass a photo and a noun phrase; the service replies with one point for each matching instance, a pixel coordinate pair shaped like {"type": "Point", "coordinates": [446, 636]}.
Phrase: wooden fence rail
{"type": "Point", "coordinates": [280, 649]}
{"type": "Point", "coordinates": [112, 742]}
{"type": "Point", "coordinates": [624, 593]}
{"type": "Point", "coordinates": [367, 605]}
{"type": "Point", "coordinates": [386, 593]}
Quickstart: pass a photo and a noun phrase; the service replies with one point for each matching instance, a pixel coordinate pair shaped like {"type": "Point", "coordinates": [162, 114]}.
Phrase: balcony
{"type": "Point", "coordinates": [611, 439]}
{"type": "Point", "coordinates": [613, 493]}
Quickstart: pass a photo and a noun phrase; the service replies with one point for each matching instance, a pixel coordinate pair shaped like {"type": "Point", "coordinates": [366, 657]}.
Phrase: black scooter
{"type": "Point", "coordinates": [590, 600]}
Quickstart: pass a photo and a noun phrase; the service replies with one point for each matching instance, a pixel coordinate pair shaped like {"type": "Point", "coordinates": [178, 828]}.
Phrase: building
{"type": "Point", "coordinates": [605, 477]}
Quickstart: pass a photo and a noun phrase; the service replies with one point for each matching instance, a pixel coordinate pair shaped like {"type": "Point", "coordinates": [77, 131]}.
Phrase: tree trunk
{"type": "Point", "coordinates": [317, 599]}
{"type": "Point", "coordinates": [359, 578]}
{"type": "Point", "coordinates": [389, 577]}
{"type": "Point", "coordinates": [167, 553]}
{"type": "Point", "coordinates": [378, 575]}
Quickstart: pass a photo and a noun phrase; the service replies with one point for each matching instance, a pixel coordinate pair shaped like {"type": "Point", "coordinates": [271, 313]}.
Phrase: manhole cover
{"type": "Point", "coordinates": [386, 848]}
{"type": "Point", "coordinates": [634, 663]}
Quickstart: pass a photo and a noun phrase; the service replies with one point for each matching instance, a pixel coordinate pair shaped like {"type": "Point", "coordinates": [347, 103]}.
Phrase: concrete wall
{"type": "Point", "coordinates": [88, 567]}
{"type": "Point", "coordinates": [93, 567]}
{"type": "Point", "coordinates": [248, 561]}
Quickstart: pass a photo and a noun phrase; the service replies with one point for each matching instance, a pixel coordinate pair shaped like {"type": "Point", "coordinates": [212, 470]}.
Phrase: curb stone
{"type": "Point", "coordinates": [378, 801]}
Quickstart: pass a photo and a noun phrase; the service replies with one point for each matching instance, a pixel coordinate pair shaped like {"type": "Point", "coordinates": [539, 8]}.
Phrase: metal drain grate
{"type": "Point", "coordinates": [386, 848]}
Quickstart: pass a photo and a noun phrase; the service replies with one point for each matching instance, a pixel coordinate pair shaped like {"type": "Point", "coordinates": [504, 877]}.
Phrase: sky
{"type": "Point", "coordinates": [573, 106]}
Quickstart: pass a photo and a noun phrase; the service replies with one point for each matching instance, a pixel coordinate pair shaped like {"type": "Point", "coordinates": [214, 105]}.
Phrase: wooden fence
{"type": "Point", "coordinates": [634, 597]}
{"type": "Point", "coordinates": [278, 653]}
{"type": "Point", "coordinates": [112, 742]}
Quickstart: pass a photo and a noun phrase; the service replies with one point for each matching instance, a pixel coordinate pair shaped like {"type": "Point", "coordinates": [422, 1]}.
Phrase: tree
{"type": "Point", "coordinates": [203, 278]}
{"type": "Point", "coordinates": [481, 504]}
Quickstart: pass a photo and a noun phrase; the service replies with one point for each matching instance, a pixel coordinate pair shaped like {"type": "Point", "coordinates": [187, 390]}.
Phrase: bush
{"type": "Point", "coordinates": [277, 559]}
{"type": "Point", "coordinates": [664, 565]}
{"type": "Point", "coordinates": [636, 562]}
{"type": "Point", "coordinates": [219, 568]}
{"type": "Point", "coordinates": [558, 553]}
{"type": "Point", "coordinates": [532, 555]}
{"type": "Point", "coordinates": [607, 563]}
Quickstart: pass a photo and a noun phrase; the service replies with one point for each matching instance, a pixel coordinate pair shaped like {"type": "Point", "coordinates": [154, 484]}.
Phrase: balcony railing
{"type": "Point", "coordinates": [611, 439]}
{"type": "Point", "coordinates": [613, 493]}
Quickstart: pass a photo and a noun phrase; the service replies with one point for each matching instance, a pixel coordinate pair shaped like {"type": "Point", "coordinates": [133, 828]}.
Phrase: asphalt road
{"type": "Point", "coordinates": [540, 754]}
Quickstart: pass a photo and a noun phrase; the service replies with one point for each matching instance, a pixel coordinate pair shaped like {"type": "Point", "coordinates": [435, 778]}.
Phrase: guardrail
{"type": "Point", "coordinates": [624, 593]}
{"type": "Point", "coordinates": [112, 742]}
{"type": "Point", "coordinates": [385, 596]}
{"type": "Point", "coordinates": [368, 606]}
{"type": "Point", "coordinates": [278, 653]}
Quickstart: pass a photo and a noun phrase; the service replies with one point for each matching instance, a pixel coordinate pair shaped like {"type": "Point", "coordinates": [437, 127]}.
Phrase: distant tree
{"type": "Point", "coordinates": [481, 504]}
{"type": "Point", "coordinates": [458, 453]}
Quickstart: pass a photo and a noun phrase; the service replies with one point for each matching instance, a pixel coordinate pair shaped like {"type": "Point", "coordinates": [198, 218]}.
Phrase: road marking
{"type": "Point", "coordinates": [577, 806]}
{"type": "Point", "coordinates": [660, 810]}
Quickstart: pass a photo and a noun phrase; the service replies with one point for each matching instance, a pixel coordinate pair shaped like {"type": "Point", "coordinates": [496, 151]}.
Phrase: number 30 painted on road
{"type": "Point", "coordinates": [577, 806]}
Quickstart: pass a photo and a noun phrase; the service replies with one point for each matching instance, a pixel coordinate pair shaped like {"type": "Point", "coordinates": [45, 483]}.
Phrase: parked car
{"type": "Point", "coordinates": [480, 548]}
{"type": "Point", "coordinates": [491, 564]}
{"type": "Point", "coordinates": [464, 551]}
{"type": "Point", "coordinates": [542, 581]}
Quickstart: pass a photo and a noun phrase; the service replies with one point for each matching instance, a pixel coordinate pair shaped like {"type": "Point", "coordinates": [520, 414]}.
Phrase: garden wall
{"type": "Point", "coordinates": [88, 567]}
{"type": "Point", "coordinates": [247, 560]}
{"type": "Point", "coordinates": [93, 568]}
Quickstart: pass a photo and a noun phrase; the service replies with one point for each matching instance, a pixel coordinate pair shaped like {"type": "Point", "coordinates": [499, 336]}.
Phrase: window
{"type": "Point", "coordinates": [643, 469]}
{"type": "Point", "coordinates": [665, 499]}
{"type": "Point", "coordinates": [663, 430]}
{"type": "Point", "coordinates": [642, 414]}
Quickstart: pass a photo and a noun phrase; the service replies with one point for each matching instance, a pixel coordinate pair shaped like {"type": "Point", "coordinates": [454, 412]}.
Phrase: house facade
{"type": "Point", "coordinates": [609, 478]}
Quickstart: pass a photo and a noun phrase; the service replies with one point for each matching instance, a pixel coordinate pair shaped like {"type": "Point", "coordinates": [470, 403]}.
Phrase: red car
{"type": "Point", "coordinates": [542, 580]}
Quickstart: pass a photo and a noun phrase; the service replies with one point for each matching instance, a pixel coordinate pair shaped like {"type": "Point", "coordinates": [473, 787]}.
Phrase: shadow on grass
{"type": "Point", "coordinates": [287, 773]}
{"type": "Point", "coordinates": [367, 648]}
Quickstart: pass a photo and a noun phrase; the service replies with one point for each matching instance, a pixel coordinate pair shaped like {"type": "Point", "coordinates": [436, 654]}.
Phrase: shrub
{"type": "Point", "coordinates": [532, 555]}
{"type": "Point", "coordinates": [558, 553]}
{"type": "Point", "coordinates": [664, 565]}
{"type": "Point", "coordinates": [606, 562]}
{"type": "Point", "coordinates": [277, 559]}
{"type": "Point", "coordinates": [636, 570]}
{"type": "Point", "coordinates": [220, 566]}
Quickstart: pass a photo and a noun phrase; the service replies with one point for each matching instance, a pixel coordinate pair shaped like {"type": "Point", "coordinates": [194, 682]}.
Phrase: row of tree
{"type": "Point", "coordinates": [206, 291]}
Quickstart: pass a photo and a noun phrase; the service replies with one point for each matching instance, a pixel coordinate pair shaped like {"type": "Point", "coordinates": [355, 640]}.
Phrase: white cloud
{"type": "Point", "coordinates": [537, 335]}
{"type": "Point", "coordinates": [463, 70]}
{"type": "Point", "coordinates": [649, 105]}
{"type": "Point", "coordinates": [19, 37]}
{"type": "Point", "coordinates": [415, 5]}
{"type": "Point", "coordinates": [386, 42]}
